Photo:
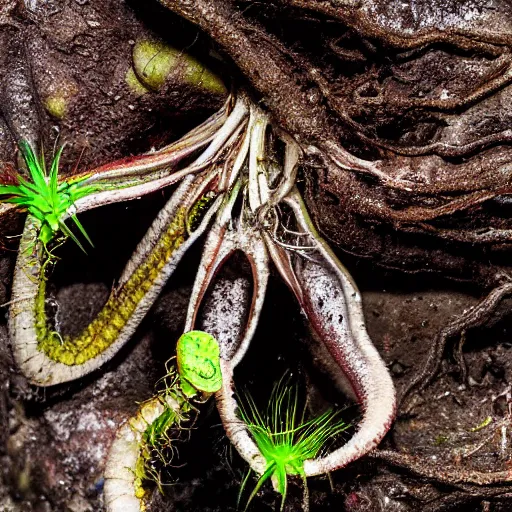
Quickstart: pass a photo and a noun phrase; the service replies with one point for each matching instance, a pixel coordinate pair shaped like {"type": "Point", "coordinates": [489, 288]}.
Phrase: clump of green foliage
{"type": "Point", "coordinates": [284, 436]}
{"type": "Point", "coordinates": [190, 380]}
{"type": "Point", "coordinates": [45, 198]}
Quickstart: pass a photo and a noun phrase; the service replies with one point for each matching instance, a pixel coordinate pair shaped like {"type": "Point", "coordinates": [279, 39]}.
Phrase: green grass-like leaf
{"type": "Point", "coordinates": [284, 437]}
{"type": "Point", "coordinates": [45, 198]}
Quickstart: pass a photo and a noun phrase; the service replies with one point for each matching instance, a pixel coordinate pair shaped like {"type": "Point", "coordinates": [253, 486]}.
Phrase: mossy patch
{"type": "Point", "coordinates": [56, 106]}
{"type": "Point", "coordinates": [57, 98]}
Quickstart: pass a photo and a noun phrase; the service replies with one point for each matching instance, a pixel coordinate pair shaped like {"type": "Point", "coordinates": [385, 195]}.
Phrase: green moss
{"type": "Point", "coordinates": [56, 105]}
{"type": "Point", "coordinates": [487, 421]}
{"type": "Point", "coordinates": [25, 480]}
{"type": "Point", "coordinates": [57, 97]}
{"type": "Point", "coordinates": [197, 211]}
{"type": "Point", "coordinates": [153, 61]}
{"type": "Point", "coordinates": [441, 439]}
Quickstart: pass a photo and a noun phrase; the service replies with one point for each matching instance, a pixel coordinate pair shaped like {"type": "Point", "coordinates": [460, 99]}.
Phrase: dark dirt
{"type": "Point", "coordinates": [385, 70]}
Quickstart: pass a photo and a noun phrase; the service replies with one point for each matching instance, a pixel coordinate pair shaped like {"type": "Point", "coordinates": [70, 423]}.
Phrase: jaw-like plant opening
{"type": "Point", "coordinates": [285, 437]}
{"type": "Point", "coordinates": [231, 289]}
{"type": "Point", "coordinates": [236, 188]}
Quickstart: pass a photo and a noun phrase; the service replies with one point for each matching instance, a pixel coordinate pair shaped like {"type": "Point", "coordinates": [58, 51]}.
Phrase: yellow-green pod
{"type": "Point", "coordinates": [198, 358]}
{"type": "Point", "coordinates": [154, 61]}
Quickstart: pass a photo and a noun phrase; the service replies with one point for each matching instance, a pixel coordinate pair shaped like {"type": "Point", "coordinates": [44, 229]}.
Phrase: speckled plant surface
{"type": "Point", "coordinates": [402, 116]}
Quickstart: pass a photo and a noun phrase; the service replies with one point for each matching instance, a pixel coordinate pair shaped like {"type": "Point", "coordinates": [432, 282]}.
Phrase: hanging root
{"type": "Point", "coordinates": [474, 317]}
{"type": "Point", "coordinates": [404, 189]}
{"type": "Point", "coordinates": [466, 486]}
{"type": "Point", "coordinates": [469, 485]}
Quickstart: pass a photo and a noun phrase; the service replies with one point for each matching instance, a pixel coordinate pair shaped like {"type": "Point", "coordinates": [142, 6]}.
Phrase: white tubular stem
{"type": "Point", "coordinates": [242, 154]}
{"type": "Point", "coordinates": [217, 145]}
{"type": "Point", "coordinates": [258, 188]}
{"type": "Point", "coordinates": [35, 364]}
{"type": "Point", "coordinates": [235, 428]}
{"type": "Point", "coordinates": [292, 157]}
{"type": "Point", "coordinates": [333, 306]}
{"type": "Point", "coordinates": [221, 243]}
{"type": "Point", "coordinates": [234, 119]}
{"type": "Point", "coordinates": [165, 157]}
{"type": "Point", "coordinates": [234, 335]}
{"type": "Point", "coordinates": [121, 466]}
{"type": "Point", "coordinates": [228, 323]}
{"type": "Point", "coordinates": [130, 193]}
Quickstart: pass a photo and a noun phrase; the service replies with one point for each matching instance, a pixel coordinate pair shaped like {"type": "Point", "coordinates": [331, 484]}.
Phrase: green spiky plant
{"type": "Point", "coordinates": [284, 436]}
{"type": "Point", "coordinates": [45, 198]}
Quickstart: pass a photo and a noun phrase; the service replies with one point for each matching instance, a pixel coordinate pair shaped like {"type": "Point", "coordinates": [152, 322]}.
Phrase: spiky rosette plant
{"type": "Point", "coordinates": [284, 436]}
{"type": "Point", "coordinates": [45, 198]}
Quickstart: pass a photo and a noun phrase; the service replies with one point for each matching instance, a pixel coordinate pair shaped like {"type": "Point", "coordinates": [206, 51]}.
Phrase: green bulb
{"type": "Point", "coordinates": [198, 358]}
